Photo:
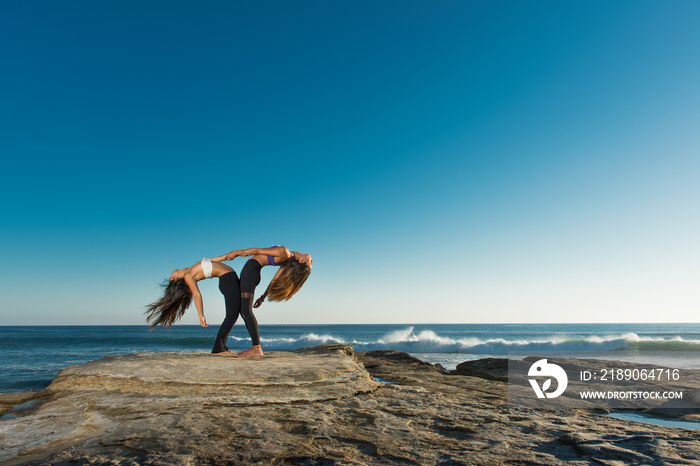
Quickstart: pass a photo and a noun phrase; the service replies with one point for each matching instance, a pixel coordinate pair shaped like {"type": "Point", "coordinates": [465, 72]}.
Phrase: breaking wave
{"type": "Point", "coordinates": [427, 341]}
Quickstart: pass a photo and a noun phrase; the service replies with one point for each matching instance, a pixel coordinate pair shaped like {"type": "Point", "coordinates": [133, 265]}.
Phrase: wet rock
{"type": "Point", "coordinates": [487, 368]}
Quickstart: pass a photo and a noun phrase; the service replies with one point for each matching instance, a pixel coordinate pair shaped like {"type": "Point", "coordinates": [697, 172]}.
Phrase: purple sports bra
{"type": "Point", "coordinates": [271, 259]}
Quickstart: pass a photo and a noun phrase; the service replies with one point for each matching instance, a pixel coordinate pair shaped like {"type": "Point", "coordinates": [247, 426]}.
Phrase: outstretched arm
{"type": "Point", "coordinates": [261, 299]}
{"type": "Point", "coordinates": [278, 252]}
{"type": "Point", "coordinates": [231, 255]}
{"type": "Point", "coordinates": [197, 296]}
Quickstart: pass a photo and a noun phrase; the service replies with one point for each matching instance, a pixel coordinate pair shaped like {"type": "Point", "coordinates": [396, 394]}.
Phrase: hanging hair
{"type": "Point", "coordinates": [170, 308]}
{"type": "Point", "coordinates": [290, 280]}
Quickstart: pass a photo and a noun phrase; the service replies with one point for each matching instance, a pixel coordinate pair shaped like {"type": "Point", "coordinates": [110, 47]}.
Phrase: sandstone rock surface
{"type": "Point", "coordinates": [184, 413]}
{"type": "Point", "coordinates": [280, 377]}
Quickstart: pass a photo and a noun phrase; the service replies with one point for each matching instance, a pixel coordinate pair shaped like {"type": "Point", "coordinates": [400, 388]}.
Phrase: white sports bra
{"type": "Point", "coordinates": [206, 267]}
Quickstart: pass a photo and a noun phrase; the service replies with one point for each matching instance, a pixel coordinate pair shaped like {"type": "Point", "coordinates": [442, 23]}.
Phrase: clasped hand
{"type": "Point", "coordinates": [241, 253]}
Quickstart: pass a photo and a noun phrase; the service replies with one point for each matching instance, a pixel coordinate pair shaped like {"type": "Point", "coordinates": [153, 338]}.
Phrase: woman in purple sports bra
{"type": "Point", "coordinates": [294, 269]}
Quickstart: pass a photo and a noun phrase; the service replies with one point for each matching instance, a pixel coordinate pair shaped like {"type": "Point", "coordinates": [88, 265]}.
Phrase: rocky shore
{"type": "Point", "coordinates": [316, 406]}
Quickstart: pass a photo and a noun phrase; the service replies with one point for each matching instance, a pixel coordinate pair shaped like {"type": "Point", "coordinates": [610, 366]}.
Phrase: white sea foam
{"type": "Point", "coordinates": [428, 341]}
{"type": "Point", "coordinates": [309, 339]}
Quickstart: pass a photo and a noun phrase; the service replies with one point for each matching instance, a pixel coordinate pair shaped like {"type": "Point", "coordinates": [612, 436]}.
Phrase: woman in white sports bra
{"type": "Point", "coordinates": [295, 268]}
{"type": "Point", "coordinates": [180, 290]}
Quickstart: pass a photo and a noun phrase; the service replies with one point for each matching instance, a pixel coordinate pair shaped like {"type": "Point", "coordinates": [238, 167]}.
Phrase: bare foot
{"type": "Point", "coordinates": [228, 354]}
{"type": "Point", "coordinates": [253, 352]}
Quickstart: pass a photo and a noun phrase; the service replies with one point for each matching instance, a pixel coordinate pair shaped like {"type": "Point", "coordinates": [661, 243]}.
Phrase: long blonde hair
{"type": "Point", "coordinates": [290, 280]}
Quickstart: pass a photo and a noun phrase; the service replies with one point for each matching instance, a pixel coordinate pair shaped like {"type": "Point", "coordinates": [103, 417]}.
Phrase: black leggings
{"type": "Point", "coordinates": [236, 303]}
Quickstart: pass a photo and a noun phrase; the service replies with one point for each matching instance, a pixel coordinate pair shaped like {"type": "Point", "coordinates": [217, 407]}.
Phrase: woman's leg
{"type": "Point", "coordinates": [251, 322]}
{"type": "Point", "coordinates": [229, 286]}
{"type": "Point", "coordinates": [250, 278]}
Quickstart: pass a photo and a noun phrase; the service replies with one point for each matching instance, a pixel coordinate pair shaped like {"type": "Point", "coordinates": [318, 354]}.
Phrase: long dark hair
{"type": "Point", "coordinates": [290, 280]}
{"type": "Point", "coordinates": [168, 309]}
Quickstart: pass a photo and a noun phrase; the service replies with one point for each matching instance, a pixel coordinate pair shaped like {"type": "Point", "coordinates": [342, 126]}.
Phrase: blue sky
{"type": "Point", "coordinates": [455, 161]}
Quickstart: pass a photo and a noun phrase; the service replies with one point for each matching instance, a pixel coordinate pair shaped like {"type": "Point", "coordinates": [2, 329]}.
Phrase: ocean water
{"type": "Point", "coordinates": [31, 356]}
